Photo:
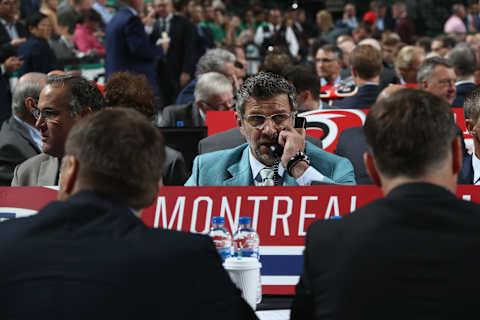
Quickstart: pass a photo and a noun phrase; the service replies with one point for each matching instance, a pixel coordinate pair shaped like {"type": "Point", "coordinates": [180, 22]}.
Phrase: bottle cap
{"type": "Point", "coordinates": [217, 220]}
{"type": "Point", "coordinates": [245, 220]}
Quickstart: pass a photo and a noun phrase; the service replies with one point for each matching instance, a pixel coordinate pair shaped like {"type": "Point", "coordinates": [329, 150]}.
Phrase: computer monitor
{"type": "Point", "coordinates": [185, 140]}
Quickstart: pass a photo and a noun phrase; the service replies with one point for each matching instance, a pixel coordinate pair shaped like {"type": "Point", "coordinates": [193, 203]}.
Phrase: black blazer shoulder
{"type": "Point", "coordinates": [466, 174]}
{"type": "Point", "coordinates": [363, 99]}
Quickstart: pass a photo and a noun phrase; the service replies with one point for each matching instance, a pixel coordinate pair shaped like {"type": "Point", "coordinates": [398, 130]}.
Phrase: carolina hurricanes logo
{"type": "Point", "coordinates": [12, 213]}
{"type": "Point", "coordinates": [327, 124]}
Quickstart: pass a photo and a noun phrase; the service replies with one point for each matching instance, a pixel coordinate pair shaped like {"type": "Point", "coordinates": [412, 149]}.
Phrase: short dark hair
{"type": "Point", "coordinates": [120, 155]}
{"type": "Point", "coordinates": [34, 19]}
{"type": "Point", "coordinates": [409, 133]}
{"type": "Point", "coordinates": [90, 15]}
{"type": "Point", "coordinates": [265, 85]}
{"type": "Point", "coordinates": [124, 89]}
{"type": "Point", "coordinates": [463, 59]}
{"type": "Point", "coordinates": [303, 77]}
{"type": "Point", "coordinates": [276, 62]}
{"type": "Point", "coordinates": [332, 48]}
{"type": "Point", "coordinates": [84, 93]}
{"type": "Point", "coordinates": [367, 61]}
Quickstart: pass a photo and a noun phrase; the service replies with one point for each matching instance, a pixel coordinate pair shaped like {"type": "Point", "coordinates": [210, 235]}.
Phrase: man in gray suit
{"type": "Point", "coordinates": [19, 139]}
{"type": "Point", "coordinates": [63, 101]}
{"type": "Point", "coordinates": [213, 91]}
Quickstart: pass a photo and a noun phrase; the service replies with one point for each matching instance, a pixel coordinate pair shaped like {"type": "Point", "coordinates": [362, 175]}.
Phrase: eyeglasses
{"type": "Point", "coordinates": [258, 121]}
{"type": "Point", "coordinates": [47, 113]}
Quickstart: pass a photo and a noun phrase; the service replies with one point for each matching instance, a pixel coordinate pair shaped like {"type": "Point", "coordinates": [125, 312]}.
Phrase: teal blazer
{"type": "Point", "coordinates": [231, 167]}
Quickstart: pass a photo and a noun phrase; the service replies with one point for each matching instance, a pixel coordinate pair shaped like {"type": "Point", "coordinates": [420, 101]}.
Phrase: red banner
{"type": "Point", "coordinates": [281, 216]}
{"type": "Point", "coordinates": [323, 124]}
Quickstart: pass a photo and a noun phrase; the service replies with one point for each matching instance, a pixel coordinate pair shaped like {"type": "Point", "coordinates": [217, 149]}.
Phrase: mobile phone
{"type": "Point", "coordinates": [277, 149]}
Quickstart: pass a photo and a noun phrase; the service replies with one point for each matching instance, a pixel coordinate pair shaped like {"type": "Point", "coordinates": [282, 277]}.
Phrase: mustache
{"type": "Point", "coordinates": [265, 138]}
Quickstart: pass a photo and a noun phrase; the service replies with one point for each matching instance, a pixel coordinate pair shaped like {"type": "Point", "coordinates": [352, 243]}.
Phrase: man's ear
{"type": "Point", "coordinates": [457, 155]}
{"type": "Point", "coordinates": [85, 111]}
{"type": "Point", "coordinates": [425, 84]}
{"type": "Point", "coordinates": [470, 125]}
{"type": "Point", "coordinates": [372, 169]}
{"type": "Point", "coordinates": [68, 177]}
{"type": "Point", "coordinates": [30, 104]}
{"type": "Point", "coordinates": [238, 119]}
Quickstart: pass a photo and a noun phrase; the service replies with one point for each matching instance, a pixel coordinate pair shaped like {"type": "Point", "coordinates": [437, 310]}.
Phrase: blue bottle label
{"type": "Point", "coordinates": [246, 252]}
{"type": "Point", "coordinates": [224, 253]}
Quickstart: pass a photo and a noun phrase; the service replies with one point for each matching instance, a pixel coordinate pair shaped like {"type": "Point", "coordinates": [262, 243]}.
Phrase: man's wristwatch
{"type": "Point", "coordinates": [300, 156]}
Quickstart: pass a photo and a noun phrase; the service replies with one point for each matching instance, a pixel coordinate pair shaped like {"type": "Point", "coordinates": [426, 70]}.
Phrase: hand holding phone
{"type": "Point", "coordinates": [277, 149]}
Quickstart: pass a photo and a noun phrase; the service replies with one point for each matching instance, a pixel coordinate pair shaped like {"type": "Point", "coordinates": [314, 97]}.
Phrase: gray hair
{"type": "Point", "coordinates": [30, 85]}
{"type": "Point", "coordinates": [84, 93]}
{"type": "Point", "coordinates": [471, 107]}
{"type": "Point", "coordinates": [463, 59]}
{"type": "Point", "coordinates": [425, 72]}
{"type": "Point", "coordinates": [214, 60]}
{"type": "Point", "coordinates": [211, 83]}
{"type": "Point", "coordinates": [265, 85]}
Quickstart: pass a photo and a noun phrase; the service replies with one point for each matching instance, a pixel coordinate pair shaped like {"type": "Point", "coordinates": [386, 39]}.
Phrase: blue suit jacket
{"type": "Point", "coordinates": [232, 168]}
{"type": "Point", "coordinates": [363, 99]}
{"type": "Point", "coordinates": [129, 48]}
{"type": "Point", "coordinates": [462, 91]}
{"type": "Point", "coordinates": [466, 174]}
{"type": "Point", "coordinates": [37, 56]}
{"type": "Point", "coordinates": [187, 94]}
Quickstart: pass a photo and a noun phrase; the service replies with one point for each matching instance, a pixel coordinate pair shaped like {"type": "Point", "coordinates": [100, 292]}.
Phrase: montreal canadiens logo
{"type": "Point", "coordinates": [328, 124]}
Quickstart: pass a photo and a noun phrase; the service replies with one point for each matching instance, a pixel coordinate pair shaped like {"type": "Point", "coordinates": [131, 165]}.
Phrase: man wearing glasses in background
{"type": "Point", "coordinates": [213, 91]}
{"type": "Point", "coordinates": [275, 152]}
{"type": "Point", "coordinates": [63, 101]}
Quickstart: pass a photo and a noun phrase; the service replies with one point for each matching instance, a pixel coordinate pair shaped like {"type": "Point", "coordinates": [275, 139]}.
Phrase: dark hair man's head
{"type": "Point", "coordinates": [366, 62]}
{"type": "Point", "coordinates": [411, 136]}
{"type": "Point", "coordinates": [62, 102]}
{"type": "Point", "coordinates": [328, 61]}
{"type": "Point", "coordinates": [306, 83]}
{"type": "Point", "coordinates": [463, 59]}
{"type": "Point", "coordinates": [124, 89]}
{"type": "Point", "coordinates": [436, 75]}
{"type": "Point", "coordinates": [116, 152]}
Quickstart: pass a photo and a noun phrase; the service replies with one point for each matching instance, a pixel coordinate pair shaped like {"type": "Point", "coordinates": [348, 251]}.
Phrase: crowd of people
{"type": "Point", "coordinates": [167, 63]}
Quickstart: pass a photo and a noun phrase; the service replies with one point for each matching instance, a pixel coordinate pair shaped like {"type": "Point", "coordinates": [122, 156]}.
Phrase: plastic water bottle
{"type": "Point", "coordinates": [221, 237]}
{"type": "Point", "coordinates": [246, 242]}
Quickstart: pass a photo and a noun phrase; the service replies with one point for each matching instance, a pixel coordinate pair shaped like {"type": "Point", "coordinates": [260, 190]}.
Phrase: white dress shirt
{"type": "Point", "coordinates": [289, 37]}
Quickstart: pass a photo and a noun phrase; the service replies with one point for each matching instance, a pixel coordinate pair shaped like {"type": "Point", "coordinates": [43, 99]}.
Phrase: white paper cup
{"type": "Point", "coordinates": [245, 273]}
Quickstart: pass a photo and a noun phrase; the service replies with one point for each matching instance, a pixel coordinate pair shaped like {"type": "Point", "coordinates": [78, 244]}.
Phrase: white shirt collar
{"type": "Point", "coordinates": [476, 168]}
{"type": "Point", "coordinates": [256, 165]}
{"type": "Point", "coordinates": [463, 81]}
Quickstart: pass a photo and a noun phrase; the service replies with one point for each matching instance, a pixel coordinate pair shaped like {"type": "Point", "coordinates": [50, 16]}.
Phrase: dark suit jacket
{"type": "Point", "coordinates": [90, 258]}
{"type": "Point", "coordinates": [466, 174]}
{"type": "Point", "coordinates": [6, 49]}
{"type": "Point", "coordinates": [363, 99]}
{"type": "Point", "coordinates": [186, 95]}
{"type": "Point", "coordinates": [129, 48]}
{"type": "Point", "coordinates": [5, 97]}
{"type": "Point", "coordinates": [28, 7]}
{"type": "Point", "coordinates": [181, 55]}
{"type": "Point", "coordinates": [184, 115]}
{"type": "Point", "coordinates": [410, 255]}
{"type": "Point", "coordinates": [233, 138]}
{"type": "Point", "coordinates": [16, 146]}
{"type": "Point", "coordinates": [405, 28]}
{"type": "Point", "coordinates": [37, 56]}
{"type": "Point", "coordinates": [174, 171]}
{"type": "Point", "coordinates": [462, 90]}
{"type": "Point", "coordinates": [352, 145]}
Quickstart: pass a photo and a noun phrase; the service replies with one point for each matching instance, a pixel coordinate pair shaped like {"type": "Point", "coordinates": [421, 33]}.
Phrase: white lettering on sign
{"type": "Point", "coordinates": [332, 205]}
{"type": "Point", "coordinates": [256, 209]}
{"type": "Point", "coordinates": [305, 215]}
{"type": "Point", "coordinates": [467, 197]}
{"type": "Point", "coordinates": [353, 203]}
{"type": "Point", "coordinates": [208, 214]}
{"type": "Point", "coordinates": [225, 208]}
{"type": "Point", "coordinates": [162, 207]}
{"type": "Point", "coordinates": [284, 217]}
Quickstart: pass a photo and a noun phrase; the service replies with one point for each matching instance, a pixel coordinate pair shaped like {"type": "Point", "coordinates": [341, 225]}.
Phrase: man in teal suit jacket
{"type": "Point", "coordinates": [266, 108]}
